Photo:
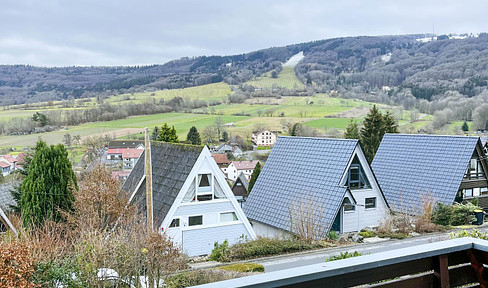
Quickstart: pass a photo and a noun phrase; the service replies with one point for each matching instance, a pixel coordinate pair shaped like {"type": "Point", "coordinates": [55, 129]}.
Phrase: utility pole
{"type": "Point", "coordinates": [148, 173]}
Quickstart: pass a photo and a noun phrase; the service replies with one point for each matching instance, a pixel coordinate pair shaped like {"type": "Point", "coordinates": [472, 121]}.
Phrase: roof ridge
{"type": "Point", "coordinates": [433, 135]}
{"type": "Point", "coordinates": [177, 145]}
{"type": "Point", "coordinates": [319, 138]}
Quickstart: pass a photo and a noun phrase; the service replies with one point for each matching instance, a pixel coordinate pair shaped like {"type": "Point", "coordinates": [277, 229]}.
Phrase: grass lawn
{"type": "Point", "coordinates": [286, 79]}
{"type": "Point", "coordinates": [215, 91]}
{"type": "Point", "coordinates": [339, 123]}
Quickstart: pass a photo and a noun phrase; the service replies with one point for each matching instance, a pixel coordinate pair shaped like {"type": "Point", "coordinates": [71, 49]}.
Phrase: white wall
{"type": "Point", "coordinates": [263, 230]}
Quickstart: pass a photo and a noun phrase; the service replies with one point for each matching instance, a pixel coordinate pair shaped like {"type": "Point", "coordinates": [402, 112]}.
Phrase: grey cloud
{"type": "Point", "coordinates": [89, 32]}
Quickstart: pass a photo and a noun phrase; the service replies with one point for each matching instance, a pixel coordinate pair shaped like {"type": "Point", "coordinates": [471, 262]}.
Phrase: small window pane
{"type": "Point", "coordinates": [348, 205]}
{"type": "Point", "coordinates": [370, 202]}
{"type": "Point", "coordinates": [204, 181]}
{"type": "Point", "coordinates": [468, 193]}
{"type": "Point", "coordinates": [228, 217]}
{"type": "Point", "coordinates": [195, 220]}
{"type": "Point", "coordinates": [175, 223]}
{"type": "Point", "coordinates": [206, 197]}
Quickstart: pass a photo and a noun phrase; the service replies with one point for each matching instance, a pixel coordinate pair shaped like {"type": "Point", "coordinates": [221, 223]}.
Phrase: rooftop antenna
{"type": "Point", "coordinates": [148, 173]}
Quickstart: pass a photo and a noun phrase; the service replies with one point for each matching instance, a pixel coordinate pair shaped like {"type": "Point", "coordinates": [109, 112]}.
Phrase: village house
{"type": "Point", "coordinates": [412, 169]}
{"type": "Point", "coordinates": [321, 181]}
{"type": "Point", "coordinates": [240, 187]}
{"type": "Point", "coordinates": [6, 201]}
{"type": "Point", "coordinates": [263, 138]}
{"type": "Point", "coordinates": [237, 167]}
{"type": "Point", "coordinates": [130, 157]}
{"type": "Point", "coordinates": [192, 201]}
{"type": "Point", "coordinates": [9, 163]}
{"type": "Point", "coordinates": [116, 148]}
{"type": "Point", "coordinates": [222, 161]}
{"type": "Point", "coordinates": [225, 148]}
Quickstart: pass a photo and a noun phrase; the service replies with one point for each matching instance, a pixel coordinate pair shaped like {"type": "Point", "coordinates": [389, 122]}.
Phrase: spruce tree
{"type": "Point", "coordinates": [155, 133]}
{"type": "Point", "coordinates": [167, 134]}
{"type": "Point", "coordinates": [465, 127]}
{"type": "Point", "coordinates": [47, 189]}
{"type": "Point", "coordinates": [254, 177]}
{"type": "Point", "coordinates": [389, 123]}
{"type": "Point", "coordinates": [352, 131]}
{"type": "Point", "coordinates": [372, 132]}
{"type": "Point", "coordinates": [193, 136]}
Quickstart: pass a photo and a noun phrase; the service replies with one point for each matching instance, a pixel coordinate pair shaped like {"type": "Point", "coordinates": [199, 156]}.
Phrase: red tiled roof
{"type": "Point", "coordinates": [9, 158]}
{"type": "Point", "coordinates": [21, 158]}
{"type": "Point", "coordinates": [245, 165]}
{"type": "Point", "coordinates": [4, 164]}
{"type": "Point", "coordinates": [131, 153]}
{"type": "Point", "coordinates": [221, 158]}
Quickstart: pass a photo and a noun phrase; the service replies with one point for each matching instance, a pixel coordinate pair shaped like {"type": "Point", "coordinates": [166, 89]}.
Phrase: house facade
{"type": "Point", "coordinates": [222, 161]}
{"type": "Point", "coordinates": [238, 167]}
{"type": "Point", "coordinates": [263, 138]}
{"type": "Point", "coordinates": [192, 202]}
{"type": "Point", "coordinates": [441, 168]}
{"type": "Point", "coordinates": [8, 164]}
{"type": "Point", "coordinates": [327, 181]}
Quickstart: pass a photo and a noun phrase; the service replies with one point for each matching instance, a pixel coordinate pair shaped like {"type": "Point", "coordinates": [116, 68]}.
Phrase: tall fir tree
{"type": "Point", "coordinates": [389, 123]}
{"type": "Point", "coordinates": [167, 134]}
{"type": "Point", "coordinates": [254, 177]}
{"type": "Point", "coordinates": [193, 136]}
{"type": "Point", "coordinates": [155, 133]}
{"type": "Point", "coordinates": [465, 127]}
{"type": "Point", "coordinates": [47, 190]}
{"type": "Point", "coordinates": [352, 131]}
{"type": "Point", "coordinates": [372, 132]}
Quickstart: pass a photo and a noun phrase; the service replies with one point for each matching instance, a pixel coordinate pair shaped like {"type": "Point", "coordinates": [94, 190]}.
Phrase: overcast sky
{"type": "Point", "coordinates": [123, 32]}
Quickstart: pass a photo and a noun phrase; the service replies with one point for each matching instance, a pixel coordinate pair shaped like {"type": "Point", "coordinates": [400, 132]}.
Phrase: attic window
{"type": "Point", "coordinates": [204, 191]}
{"type": "Point", "coordinates": [356, 177]}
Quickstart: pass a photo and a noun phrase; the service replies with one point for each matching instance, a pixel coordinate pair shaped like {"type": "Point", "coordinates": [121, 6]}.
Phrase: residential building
{"type": "Point", "coordinates": [192, 201]}
{"type": "Point", "coordinates": [222, 161]}
{"type": "Point", "coordinates": [241, 186]}
{"type": "Point", "coordinates": [238, 167]}
{"type": "Point", "coordinates": [323, 181]}
{"type": "Point", "coordinates": [263, 138]}
{"type": "Point", "coordinates": [130, 157]}
{"type": "Point", "coordinates": [412, 169]}
{"type": "Point", "coordinates": [225, 148]}
{"type": "Point", "coordinates": [8, 164]}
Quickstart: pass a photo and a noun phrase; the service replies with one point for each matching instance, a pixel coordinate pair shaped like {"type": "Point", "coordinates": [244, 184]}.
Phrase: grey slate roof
{"type": "Point", "coordinates": [6, 199]}
{"type": "Point", "coordinates": [244, 181]}
{"type": "Point", "coordinates": [409, 166]}
{"type": "Point", "coordinates": [300, 168]}
{"type": "Point", "coordinates": [171, 165]}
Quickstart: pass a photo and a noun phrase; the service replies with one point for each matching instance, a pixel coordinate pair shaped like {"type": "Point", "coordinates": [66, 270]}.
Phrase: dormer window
{"type": "Point", "coordinates": [204, 187]}
{"type": "Point", "coordinates": [356, 177]}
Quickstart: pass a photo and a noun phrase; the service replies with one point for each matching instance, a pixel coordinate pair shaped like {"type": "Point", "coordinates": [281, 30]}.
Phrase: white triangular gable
{"type": "Point", "coordinates": [206, 164]}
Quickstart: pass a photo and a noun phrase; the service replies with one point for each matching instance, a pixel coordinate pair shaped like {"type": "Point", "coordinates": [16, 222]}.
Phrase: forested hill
{"type": "Point", "coordinates": [428, 69]}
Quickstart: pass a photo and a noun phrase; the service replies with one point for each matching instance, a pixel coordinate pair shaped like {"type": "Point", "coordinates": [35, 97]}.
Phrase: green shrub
{"type": "Point", "coordinates": [244, 267]}
{"type": "Point", "coordinates": [367, 233]}
{"type": "Point", "coordinates": [268, 246]}
{"type": "Point", "coordinates": [442, 214]}
{"type": "Point", "coordinates": [344, 255]}
{"type": "Point", "coordinates": [220, 252]}
{"type": "Point", "coordinates": [333, 235]}
{"type": "Point", "coordinates": [52, 274]}
{"type": "Point", "coordinates": [472, 233]}
{"type": "Point", "coordinates": [463, 214]}
{"type": "Point", "coordinates": [199, 277]}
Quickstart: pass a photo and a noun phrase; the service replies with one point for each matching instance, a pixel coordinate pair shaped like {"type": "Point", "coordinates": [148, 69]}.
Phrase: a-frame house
{"type": "Point", "coordinates": [192, 201]}
{"type": "Point", "coordinates": [327, 181]}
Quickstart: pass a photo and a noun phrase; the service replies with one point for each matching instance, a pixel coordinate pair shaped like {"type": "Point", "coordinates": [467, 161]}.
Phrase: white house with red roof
{"type": "Point", "coordinates": [130, 157]}
{"type": "Point", "coordinates": [236, 167]}
{"type": "Point", "coordinates": [8, 164]}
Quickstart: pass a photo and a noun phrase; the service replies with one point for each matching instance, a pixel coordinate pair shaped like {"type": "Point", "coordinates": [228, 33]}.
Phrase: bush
{"type": "Point", "coordinates": [199, 277]}
{"type": "Point", "coordinates": [367, 233]}
{"type": "Point", "coordinates": [333, 235]}
{"type": "Point", "coordinates": [397, 235]}
{"type": "Point", "coordinates": [244, 267]}
{"type": "Point", "coordinates": [16, 265]}
{"type": "Point", "coordinates": [473, 233]}
{"type": "Point", "coordinates": [344, 255]}
{"type": "Point", "coordinates": [463, 214]}
{"type": "Point", "coordinates": [268, 246]}
{"type": "Point", "coordinates": [52, 274]}
{"type": "Point", "coordinates": [442, 214]}
{"type": "Point", "coordinates": [220, 252]}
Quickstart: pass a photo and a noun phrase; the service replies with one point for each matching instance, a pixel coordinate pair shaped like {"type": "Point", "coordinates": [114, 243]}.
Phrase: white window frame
{"type": "Point", "coordinates": [199, 225]}
{"type": "Point", "coordinates": [228, 222]}
{"type": "Point", "coordinates": [211, 179]}
{"type": "Point", "coordinates": [375, 203]}
{"type": "Point", "coordinates": [179, 223]}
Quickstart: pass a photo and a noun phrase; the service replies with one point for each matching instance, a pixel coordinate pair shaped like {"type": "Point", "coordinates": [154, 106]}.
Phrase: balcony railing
{"type": "Point", "coordinates": [452, 263]}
